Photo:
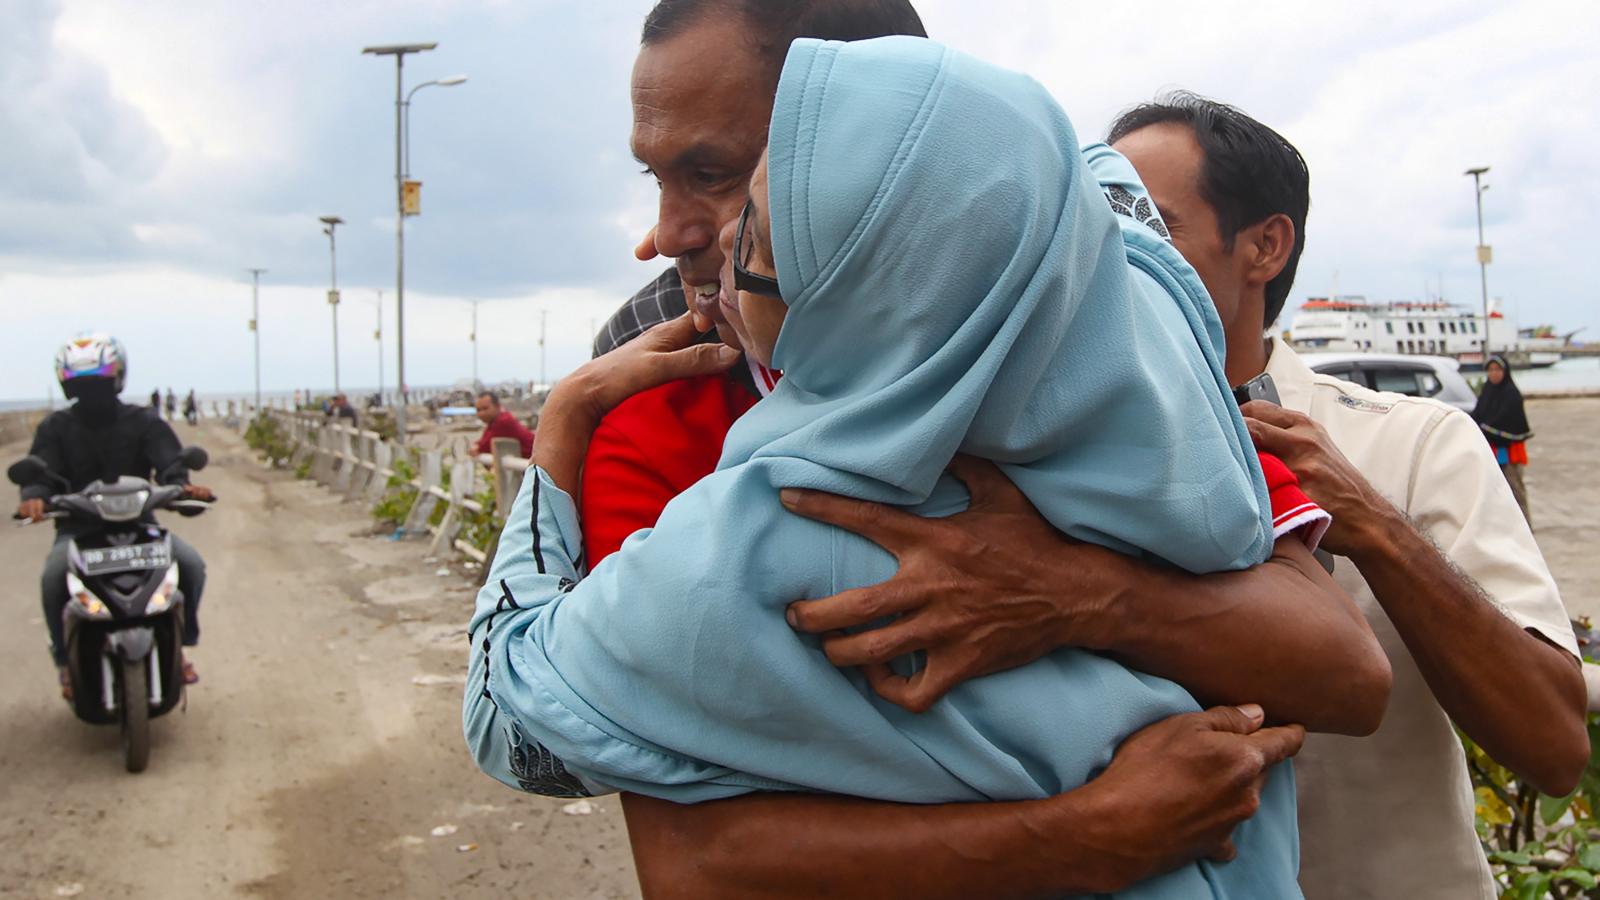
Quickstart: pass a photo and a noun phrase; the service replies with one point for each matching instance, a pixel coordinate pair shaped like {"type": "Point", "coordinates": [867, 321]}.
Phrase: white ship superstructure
{"type": "Point", "coordinates": [1429, 328]}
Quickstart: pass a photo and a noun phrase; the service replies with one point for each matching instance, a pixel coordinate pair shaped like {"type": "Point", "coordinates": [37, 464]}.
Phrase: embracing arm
{"type": "Point", "coordinates": [997, 587]}
{"type": "Point", "coordinates": [1515, 692]}
{"type": "Point", "coordinates": [1174, 792]}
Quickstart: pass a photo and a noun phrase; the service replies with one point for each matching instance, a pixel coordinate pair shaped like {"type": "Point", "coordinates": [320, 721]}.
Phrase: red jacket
{"type": "Point", "coordinates": [658, 443]}
{"type": "Point", "coordinates": [506, 425]}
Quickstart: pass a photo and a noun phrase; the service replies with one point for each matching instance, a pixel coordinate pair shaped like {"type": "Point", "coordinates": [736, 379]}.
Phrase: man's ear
{"type": "Point", "coordinates": [1271, 243]}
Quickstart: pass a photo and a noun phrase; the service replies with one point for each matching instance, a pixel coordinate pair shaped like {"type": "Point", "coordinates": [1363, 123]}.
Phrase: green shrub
{"type": "Point", "coordinates": [399, 496]}
{"type": "Point", "coordinates": [268, 438]}
{"type": "Point", "coordinates": [1539, 846]}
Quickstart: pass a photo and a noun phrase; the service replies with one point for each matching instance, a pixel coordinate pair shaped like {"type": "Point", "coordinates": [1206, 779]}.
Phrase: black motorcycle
{"type": "Point", "coordinates": [123, 622]}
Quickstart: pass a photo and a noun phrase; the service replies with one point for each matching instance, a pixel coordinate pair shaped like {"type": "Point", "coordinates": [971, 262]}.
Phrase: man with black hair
{"type": "Point", "coordinates": [499, 422]}
{"type": "Point", "coordinates": [1425, 530]}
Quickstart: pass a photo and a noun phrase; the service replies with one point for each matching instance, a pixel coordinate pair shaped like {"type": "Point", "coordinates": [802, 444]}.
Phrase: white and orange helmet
{"type": "Point", "coordinates": [92, 355]}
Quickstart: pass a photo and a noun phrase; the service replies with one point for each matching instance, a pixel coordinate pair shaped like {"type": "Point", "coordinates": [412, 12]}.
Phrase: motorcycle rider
{"type": "Point", "coordinates": [100, 437]}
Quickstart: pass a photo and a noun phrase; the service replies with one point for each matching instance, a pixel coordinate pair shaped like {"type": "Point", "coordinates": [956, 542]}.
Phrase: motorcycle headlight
{"type": "Point", "coordinates": [120, 507]}
{"type": "Point", "coordinates": [162, 598]}
{"type": "Point", "coordinates": [87, 602]}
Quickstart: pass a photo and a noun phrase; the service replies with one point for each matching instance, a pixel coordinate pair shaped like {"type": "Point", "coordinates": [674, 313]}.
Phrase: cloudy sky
{"type": "Point", "coordinates": [150, 152]}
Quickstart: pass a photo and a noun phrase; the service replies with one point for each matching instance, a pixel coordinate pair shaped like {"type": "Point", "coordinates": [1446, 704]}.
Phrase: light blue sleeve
{"type": "Point", "coordinates": [539, 558]}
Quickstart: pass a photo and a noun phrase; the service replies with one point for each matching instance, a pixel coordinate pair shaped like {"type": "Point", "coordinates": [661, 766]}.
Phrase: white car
{"type": "Point", "coordinates": [1438, 377]}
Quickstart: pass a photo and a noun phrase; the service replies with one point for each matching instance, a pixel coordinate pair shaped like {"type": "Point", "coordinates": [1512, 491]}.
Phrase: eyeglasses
{"type": "Point", "coordinates": [744, 279]}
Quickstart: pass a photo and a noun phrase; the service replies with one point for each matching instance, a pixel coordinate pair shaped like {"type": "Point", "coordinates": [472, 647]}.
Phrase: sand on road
{"type": "Point", "coordinates": [309, 761]}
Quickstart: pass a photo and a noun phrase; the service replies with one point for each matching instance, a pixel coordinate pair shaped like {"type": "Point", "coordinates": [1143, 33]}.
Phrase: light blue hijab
{"type": "Point", "coordinates": [956, 281]}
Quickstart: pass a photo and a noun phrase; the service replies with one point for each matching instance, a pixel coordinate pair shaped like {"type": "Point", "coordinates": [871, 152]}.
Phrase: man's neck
{"type": "Point", "coordinates": [1247, 355]}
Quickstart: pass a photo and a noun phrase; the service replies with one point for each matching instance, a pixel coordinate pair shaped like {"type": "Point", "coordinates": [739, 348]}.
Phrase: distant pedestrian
{"type": "Point", "coordinates": [1504, 421]}
{"type": "Point", "coordinates": [500, 422]}
{"type": "Point", "coordinates": [172, 405]}
{"type": "Point", "coordinates": [191, 409]}
{"type": "Point", "coordinates": [340, 408]}
{"type": "Point", "coordinates": [155, 400]}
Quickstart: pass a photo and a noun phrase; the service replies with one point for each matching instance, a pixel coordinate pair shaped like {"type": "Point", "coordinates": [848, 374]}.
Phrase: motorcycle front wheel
{"type": "Point", "coordinates": [135, 715]}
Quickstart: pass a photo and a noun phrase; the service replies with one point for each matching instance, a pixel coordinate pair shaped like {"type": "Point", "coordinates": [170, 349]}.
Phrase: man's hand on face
{"type": "Point", "coordinates": [32, 510]}
{"type": "Point", "coordinates": [1176, 790]}
{"type": "Point", "coordinates": [980, 592]}
{"type": "Point", "coordinates": [667, 352]}
{"type": "Point", "coordinates": [646, 250]}
{"type": "Point", "coordinates": [1325, 475]}
{"type": "Point", "coordinates": [198, 492]}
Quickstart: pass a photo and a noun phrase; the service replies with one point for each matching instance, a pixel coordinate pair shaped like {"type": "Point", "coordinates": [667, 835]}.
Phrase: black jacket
{"type": "Point", "coordinates": [136, 443]}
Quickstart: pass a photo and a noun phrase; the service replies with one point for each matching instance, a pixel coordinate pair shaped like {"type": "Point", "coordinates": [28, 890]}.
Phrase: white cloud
{"type": "Point", "coordinates": [165, 146]}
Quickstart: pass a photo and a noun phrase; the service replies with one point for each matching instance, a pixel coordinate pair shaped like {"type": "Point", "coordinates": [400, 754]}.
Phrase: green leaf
{"type": "Point", "coordinates": [1534, 888]}
{"type": "Point", "coordinates": [1578, 877]}
{"type": "Point", "coordinates": [1511, 857]}
{"type": "Point", "coordinates": [1589, 857]}
{"type": "Point", "coordinates": [1551, 809]}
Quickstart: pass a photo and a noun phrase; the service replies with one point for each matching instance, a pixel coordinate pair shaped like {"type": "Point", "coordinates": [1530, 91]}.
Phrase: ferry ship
{"type": "Point", "coordinates": [1350, 323]}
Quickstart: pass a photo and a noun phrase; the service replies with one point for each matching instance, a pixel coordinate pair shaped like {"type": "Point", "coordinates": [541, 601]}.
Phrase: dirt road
{"type": "Point", "coordinates": [319, 753]}
{"type": "Point", "coordinates": [322, 748]}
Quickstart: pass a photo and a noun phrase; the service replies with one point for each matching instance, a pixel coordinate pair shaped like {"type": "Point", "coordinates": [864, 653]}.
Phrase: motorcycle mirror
{"type": "Point", "coordinates": [194, 458]}
{"type": "Point", "coordinates": [28, 470]}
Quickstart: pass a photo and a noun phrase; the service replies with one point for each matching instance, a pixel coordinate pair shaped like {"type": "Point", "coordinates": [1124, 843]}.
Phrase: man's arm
{"type": "Point", "coordinates": [1173, 793]}
{"type": "Point", "coordinates": [997, 586]}
{"type": "Point", "coordinates": [47, 446]}
{"type": "Point", "coordinates": [1521, 698]}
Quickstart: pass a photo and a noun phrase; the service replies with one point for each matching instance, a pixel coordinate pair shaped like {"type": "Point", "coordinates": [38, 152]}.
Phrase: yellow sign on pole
{"type": "Point", "coordinates": [1485, 254]}
{"type": "Point", "coordinates": [333, 298]}
{"type": "Point", "coordinates": [411, 197]}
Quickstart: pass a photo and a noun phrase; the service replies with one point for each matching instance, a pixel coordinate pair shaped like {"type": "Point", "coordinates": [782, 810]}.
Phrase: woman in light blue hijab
{"type": "Point", "coordinates": [951, 280]}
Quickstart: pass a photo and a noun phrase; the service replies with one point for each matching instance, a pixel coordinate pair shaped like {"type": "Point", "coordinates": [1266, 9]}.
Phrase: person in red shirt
{"type": "Point", "coordinates": [498, 423]}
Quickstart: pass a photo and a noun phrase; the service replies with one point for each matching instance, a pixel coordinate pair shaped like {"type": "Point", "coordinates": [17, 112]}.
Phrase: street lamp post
{"type": "Point", "coordinates": [474, 344]}
{"type": "Point", "coordinates": [329, 224]}
{"type": "Point", "coordinates": [255, 325]}
{"type": "Point", "coordinates": [378, 336]}
{"type": "Point", "coordinates": [1484, 254]}
{"type": "Point", "coordinates": [399, 51]}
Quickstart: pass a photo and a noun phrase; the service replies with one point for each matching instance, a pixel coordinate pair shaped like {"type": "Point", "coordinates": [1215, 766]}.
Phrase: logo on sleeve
{"type": "Point", "coordinates": [1372, 406]}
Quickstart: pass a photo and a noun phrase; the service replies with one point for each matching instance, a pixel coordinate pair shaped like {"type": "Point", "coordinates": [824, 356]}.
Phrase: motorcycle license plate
{"type": "Point", "coordinates": [101, 560]}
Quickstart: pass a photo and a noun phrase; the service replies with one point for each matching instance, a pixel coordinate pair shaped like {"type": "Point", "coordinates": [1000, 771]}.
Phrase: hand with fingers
{"type": "Point", "coordinates": [646, 250]}
{"type": "Point", "coordinates": [667, 352]}
{"type": "Point", "coordinates": [1176, 790]}
{"type": "Point", "coordinates": [988, 589]}
{"type": "Point", "coordinates": [32, 510]}
{"type": "Point", "coordinates": [1325, 474]}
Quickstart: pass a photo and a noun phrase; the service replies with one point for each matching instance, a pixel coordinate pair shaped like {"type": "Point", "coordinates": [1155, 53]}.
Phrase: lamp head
{"type": "Point", "coordinates": [398, 49]}
{"type": "Point", "coordinates": [452, 80]}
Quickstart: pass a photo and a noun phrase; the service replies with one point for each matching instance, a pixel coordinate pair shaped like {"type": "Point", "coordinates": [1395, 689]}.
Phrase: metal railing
{"type": "Point", "coordinates": [361, 466]}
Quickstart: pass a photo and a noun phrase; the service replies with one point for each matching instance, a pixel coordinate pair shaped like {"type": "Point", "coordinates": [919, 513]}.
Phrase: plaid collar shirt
{"type": "Point", "coordinates": [659, 301]}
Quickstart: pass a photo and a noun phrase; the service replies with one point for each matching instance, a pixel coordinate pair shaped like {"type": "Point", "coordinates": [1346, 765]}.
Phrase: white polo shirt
{"type": "Point", "coordinates": [1391, 815]}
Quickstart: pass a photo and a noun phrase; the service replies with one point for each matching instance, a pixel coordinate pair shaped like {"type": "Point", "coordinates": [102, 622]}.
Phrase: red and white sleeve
{"type": "Point", "coordinates": [1292, 511]}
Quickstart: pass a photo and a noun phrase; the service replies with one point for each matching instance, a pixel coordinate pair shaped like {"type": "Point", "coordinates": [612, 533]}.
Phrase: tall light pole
{"type": "Point", "coordinates": [543, 313]}
{"type": "Point", "coordinates": [399, 51]}
{"type": "Point", "coordinates": [1484, 254]}
{"type": "Point", "coordinates": [329, 223]}
{"type": "Point", "coordinates": [378, 336]}
{"type": "Point", "coordinates": [255, 325]}
{"type": "Point", "coordinates": [474, 337]}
